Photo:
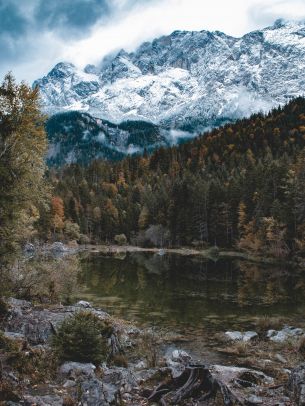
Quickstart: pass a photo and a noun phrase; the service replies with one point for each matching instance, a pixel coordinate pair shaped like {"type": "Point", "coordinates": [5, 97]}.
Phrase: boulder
{"type": "Point", "coordinates": [84, 304]}
{"type": "Point", "coordinates": [234, 335]}
{"type": "Point", "coordinates": [13, 336]}
{"type": "Point", "coordinates": [37, 325]}
{"type": "Point", "coordinates": [58, 247]}
{"type": "Point", "coordinates": [47, 400]}
{"type": "Point", "coordinates": [75, 369]}
{"type": "Point", "coordinates": [123, 378]}
{"type": "Point", "coordinates": [181, 356]}
{"type": "Point", "coordinates": [239, 336]}
{"type": "Point", "coordinates": [250, 335]}
{"type": "Point", "coordinates": [254, 400]}
{"type": "Point", "coordinates": [177, 362]}
{"type": "Point", "coordinates": [285, 334]}
{"type": "Point", "coordinates": [18, 303]}
{"type": "Point", "coordinates": [95, 393]}
{"type": "Point", "coordinates": [296, 385]}
{"type": "Point", "coordinates": [280, 359]}
{"type": "Point", "coordinates": [140, 365]}
{"type": "Point", "coordinates": [29, 248]}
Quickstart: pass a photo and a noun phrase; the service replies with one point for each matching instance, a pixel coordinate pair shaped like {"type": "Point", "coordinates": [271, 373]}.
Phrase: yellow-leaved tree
{"type": "Point", "coordinates": [23, 145]}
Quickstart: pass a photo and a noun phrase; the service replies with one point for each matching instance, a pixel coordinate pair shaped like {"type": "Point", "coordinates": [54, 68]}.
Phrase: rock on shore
{"type": "Point", "coordinates": [175, 380]}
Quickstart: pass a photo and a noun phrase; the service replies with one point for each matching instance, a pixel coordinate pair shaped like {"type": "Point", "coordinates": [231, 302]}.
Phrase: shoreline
{"type": "Point", "coordinates": [208, 253]}
{"type": "Point", "coordinates": [135, 364]}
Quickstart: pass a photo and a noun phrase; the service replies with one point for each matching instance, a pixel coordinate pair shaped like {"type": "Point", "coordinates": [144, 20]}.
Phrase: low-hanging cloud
{"type": "Point", "coordinates": [267, 12]}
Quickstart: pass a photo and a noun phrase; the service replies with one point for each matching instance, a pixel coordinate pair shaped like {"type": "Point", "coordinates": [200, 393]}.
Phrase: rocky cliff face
{"type": "Point", "coordinates": [187, 80]}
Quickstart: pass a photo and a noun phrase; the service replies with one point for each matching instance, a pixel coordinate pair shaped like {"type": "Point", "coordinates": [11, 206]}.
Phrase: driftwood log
{"type": "Point", "coordinates": [197, 384]}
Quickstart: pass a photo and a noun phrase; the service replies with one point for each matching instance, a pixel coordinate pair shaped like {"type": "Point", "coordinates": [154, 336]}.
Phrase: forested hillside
{"type": "Point", "coordinates": [79, 137]}
{"type": "Point", "coordinates": [241, 185]}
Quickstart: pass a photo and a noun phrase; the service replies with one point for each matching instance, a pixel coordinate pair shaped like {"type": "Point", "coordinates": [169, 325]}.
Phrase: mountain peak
{"type": "Point", "coordinates": [186, 79]}
{"type": "Point", "coordinates": [279, 23]}
{"type": "Point", "coordinates": [91, 69]}
{"type": "Point", "coordinates": [62, 69]}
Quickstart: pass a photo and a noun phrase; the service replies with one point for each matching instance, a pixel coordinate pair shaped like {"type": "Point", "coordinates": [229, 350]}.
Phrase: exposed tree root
{"type": "Point", "coordinates": [196, 383]}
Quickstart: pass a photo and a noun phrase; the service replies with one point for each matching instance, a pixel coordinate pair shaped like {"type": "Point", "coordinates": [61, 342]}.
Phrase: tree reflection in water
{"type": "Point", "coordinates": [193, 291]}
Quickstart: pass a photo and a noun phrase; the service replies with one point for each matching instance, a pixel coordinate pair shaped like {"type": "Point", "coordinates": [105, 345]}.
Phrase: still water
{"type": "Point", "coordinates": [185, 293]}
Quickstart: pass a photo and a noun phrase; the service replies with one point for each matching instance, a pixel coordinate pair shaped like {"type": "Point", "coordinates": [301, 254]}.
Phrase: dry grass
{"type": "Point", "coordinates": [8, 393]}
{"type": "Point", "coordinates": [148, 348]}
{"type": "Point", "coordinates": [264, 355]}
{"type": "Point", "coordinates": [242, 348]}
{"type": "Point", "coordinates": [49, 280]}
{"type": "Point", "coordinates": [35, 364]}
{"type": "Point", "coordinates": [120, 360]}
{"type": "Point", "coordinates": [265, 323]}
{"type": "Point", "coordinates": [69, 401]}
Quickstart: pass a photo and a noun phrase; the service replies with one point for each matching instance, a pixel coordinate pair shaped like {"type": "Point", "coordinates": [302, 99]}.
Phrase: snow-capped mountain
{"type": "Point", "coordinates": [187, 80]}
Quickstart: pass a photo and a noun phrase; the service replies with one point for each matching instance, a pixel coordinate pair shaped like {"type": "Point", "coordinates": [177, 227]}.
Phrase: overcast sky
{"type": "Point", "coordinates": [36, 34]}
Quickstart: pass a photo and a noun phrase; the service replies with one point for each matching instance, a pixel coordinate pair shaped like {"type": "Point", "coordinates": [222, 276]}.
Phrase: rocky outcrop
{"type": "Point", "coordinates": [55, 249]}
{"type": "Point", "coordinates": [239, 336]}
{"type": "Point", "coordinates": [288, 332]}
{"type": "Point", "coordinates": [296, 385]}
{"type": "Point", "coordinates": [176, 380]}
{"type": "Point", "coordinates": [37, 324]}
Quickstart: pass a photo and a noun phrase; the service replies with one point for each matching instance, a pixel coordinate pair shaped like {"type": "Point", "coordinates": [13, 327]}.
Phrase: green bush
{"type": "Point", "coordinates": [72, 230]}
{"type": "Point", "coordinates": [82, 338]}
{"type": "Point", "coordinates": [120, 239]}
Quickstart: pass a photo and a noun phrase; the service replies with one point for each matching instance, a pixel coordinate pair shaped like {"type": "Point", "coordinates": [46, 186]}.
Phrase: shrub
{"type": "Point", "coordinates": [149, 349]}
{"type": "Point", "coordinates": [120, 360]}
{"type": "Point", "coordinates": [213, 252]}
{"type": "Point", "coordinates": [45, 279]}
{"type": "Point", "coordinates": [84, 239]}
{"type": "Point", "coordinates": [120, 239]}
{"type": "Point", "coordinates": [71, 230]}
{"type": "Point", "coordinates": [82, 338]}
{"type": "Point", "coordinates": [266, 322]}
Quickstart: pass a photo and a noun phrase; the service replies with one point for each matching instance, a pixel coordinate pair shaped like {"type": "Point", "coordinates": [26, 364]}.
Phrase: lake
{"type": "Point", "coordinates": [191, 294]}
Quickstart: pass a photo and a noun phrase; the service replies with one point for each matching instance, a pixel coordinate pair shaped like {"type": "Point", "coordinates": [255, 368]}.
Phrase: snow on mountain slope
{"type": "Point", "coordinates": [186, 80]}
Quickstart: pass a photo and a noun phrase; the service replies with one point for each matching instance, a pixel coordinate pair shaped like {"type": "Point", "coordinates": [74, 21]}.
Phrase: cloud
{"type": "Point", "coordinates": [36, 34]}
{"type": "Point", "coordinates": [267, 12]}
{"type": "Point", "coordinates": [13, 25]}
{"type": "Point", "coordinates": [12, 21]}
{"type": "Point", "coordinates": [71, 17]}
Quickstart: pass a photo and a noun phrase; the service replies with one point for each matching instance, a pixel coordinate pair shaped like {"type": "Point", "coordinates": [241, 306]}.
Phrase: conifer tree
{"type": "Point", "coordinates": [23, 145]}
